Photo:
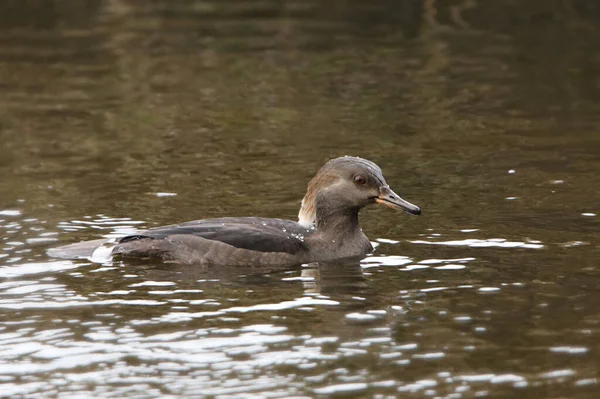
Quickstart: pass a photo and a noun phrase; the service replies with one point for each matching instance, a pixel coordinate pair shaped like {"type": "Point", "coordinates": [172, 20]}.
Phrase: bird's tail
{"type": "Point", "coordinates": [81, 250]}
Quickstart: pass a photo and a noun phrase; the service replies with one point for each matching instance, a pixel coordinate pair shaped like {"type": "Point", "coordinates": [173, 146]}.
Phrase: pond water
{"type": "Point", "coordinates": [118, 115]}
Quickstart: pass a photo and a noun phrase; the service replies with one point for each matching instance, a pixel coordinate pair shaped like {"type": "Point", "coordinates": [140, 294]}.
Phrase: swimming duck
{"type": "Point", "coordinates": [327, 227]}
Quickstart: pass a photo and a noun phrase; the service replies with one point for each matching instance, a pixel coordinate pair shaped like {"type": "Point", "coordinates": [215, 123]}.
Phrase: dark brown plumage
{"type": "Point", "coordinates": [328, 227]}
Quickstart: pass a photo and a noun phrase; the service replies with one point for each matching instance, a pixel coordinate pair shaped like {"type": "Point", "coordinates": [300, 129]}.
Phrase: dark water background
{"type": "Point", "coordinates": [484, 113]}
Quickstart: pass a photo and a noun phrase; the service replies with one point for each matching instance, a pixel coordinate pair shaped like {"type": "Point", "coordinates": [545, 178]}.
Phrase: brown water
{"type": "Point", "coordinates": [486, 114]}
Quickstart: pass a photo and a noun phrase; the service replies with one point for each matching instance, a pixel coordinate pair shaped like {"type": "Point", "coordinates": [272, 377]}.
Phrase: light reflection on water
{"type": "Point", "coordinates": [490, 242]}
{"type": "Point", "coordinates": [157, 334]}
{"type": "Point", "coordinates": [118, 227]}
{"type": "Point", "coordinates": [121, 360]}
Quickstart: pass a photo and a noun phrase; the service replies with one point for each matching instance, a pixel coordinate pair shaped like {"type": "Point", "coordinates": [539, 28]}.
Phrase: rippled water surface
{"type": "Point", "coordinates": [118, 115]}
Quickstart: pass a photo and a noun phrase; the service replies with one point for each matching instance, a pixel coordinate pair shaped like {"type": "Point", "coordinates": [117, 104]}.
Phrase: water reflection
{"type": "Point", "coordinates": [184, 330]}
{"type": "Point", "coordinates": [190, 327]}
{"type": "Point", "coordinates": [490, 242]}
{"type": "Point", "coordinates": [343, 278]}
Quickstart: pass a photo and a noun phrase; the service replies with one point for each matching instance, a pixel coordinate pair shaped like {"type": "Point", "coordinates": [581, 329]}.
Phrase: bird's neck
{"type": "Point", "coordinates": [337, 229]}
{"type": "Point", "coordinates": [337, 222]}
{"type": "Point", "coordinates": [338, 232]}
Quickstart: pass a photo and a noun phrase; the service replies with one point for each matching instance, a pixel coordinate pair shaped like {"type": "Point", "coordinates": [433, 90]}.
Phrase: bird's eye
{"type": "Point", "coordinates": [359, 180]}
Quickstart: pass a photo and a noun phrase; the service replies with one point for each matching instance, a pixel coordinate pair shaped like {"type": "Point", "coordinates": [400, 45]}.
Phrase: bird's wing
{"type": "Point", "coordinates": [257, 234]}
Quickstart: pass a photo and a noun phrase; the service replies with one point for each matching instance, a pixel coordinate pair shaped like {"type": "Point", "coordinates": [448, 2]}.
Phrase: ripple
{"type": "Point", "coordinates": [31, 288]}
{"type": "Point", "coordinates": [10, 212]}
{"type": "Point", "coordinates": [377, 261]}
{"type": "Point", "coordinates": [25, 269]}
{"type": "Point", "coordinates": [387, 241]}
{"type": "Point", "coordinates": [164, 194]}
{"type": "Point", "coordinates": [492, 378]}
{"type": "Point", "coordinates": [586, 381]}
{"type": "Point", "coordinates": [417, 386]}
{"type": "Point", "coordinates": [571, 350]}
{"type": "Point", "coordinates": [433, 289]}
{"type": "Point", "coordinates": [153, 284]}
{"type": "Point", "coordinates": [483, 243]}
{"type": "Point", "coordinates": [342, 389]}
{"type": "Point", "coordinates": [489, 289]}
{"type": "Point", "coordinates": [177, 317]}
{"type": "Point", "coordinates": [450, 267]}
{"type": "Point", "coordinates": [559, 373]}
{"type": "Point", "coordinates": [78, 303]}
{"type": "Point", "coordinates": [118, 227]}
{"type": "Point", "coordinates": [41, 240]}
{"type": "Point", "coordinates": [437, 261]}
{"type": "Point", "coordinates": [429, 356]}
{"type": "Point", "coordinates": [414, 267]}
{"type": "Point", "coordinates": [361, 317]}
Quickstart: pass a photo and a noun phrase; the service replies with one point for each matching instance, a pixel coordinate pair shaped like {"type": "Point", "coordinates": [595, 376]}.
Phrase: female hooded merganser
{"type": "Point", "coordinates": [327, 228]}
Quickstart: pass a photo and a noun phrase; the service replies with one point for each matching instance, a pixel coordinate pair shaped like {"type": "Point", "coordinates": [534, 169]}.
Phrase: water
{"type": "Point", "coordinates": [116, 116]}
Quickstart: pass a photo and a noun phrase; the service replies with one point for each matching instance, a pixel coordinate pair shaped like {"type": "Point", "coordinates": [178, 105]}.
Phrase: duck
{"type": "Point", "coordinates": [327, 228]}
